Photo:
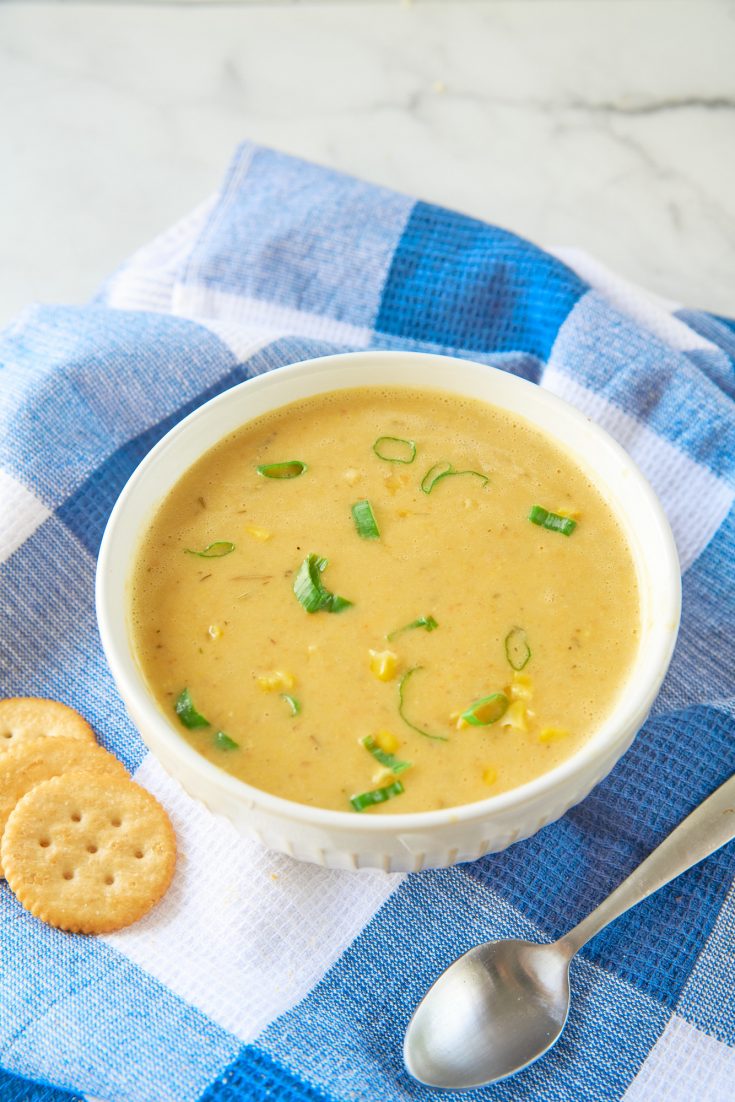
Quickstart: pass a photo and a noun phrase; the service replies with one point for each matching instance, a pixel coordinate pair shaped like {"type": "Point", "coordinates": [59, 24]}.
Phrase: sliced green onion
{"type": "Point", "coordinates": [365, 522]}
{"type": "Point", "coordinates": [310, 591]}
{"type": "Point", "coordinates": [292, 468]}
{"type": "Point", "coordinates": [486, 711]}
{"type": "Point", "coordinates": [435, 474]}
{"type": "Point", "coordinates": [308, 585]}
{"type": "Point", "coordinates": [186, 711]}
{"type": "Point", "coordinates": [444, 469]}
{"type": "Point", "coordinates": [553, 521]}
{"type": "Point", "coordinates": [292, 703]}
{"type": "Point", "coordinates": [376, 796]}
{"type": "Point", "coordinates": [517, 650]}
{"type": "Point", "coordinates": [390, 761]}
{"type": "Point", "coordinates": [401, 702]}
{"type": "Point", "coordinates": [394, 449]}
{"type": "Point", "coordinates": [216, 550]}
{"type": "Point", "coordinates": [427, 622]}
{"type": "Point", "coordinates": [224, 742]}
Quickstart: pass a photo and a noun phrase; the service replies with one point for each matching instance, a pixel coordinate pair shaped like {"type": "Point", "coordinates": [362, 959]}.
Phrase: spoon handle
{"type": "Point", "coordinates": [709, 827]}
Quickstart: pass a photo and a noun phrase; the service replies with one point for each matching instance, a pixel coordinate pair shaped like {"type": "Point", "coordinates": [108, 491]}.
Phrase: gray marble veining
{"type": "Point", "coordinates": [572, 124]}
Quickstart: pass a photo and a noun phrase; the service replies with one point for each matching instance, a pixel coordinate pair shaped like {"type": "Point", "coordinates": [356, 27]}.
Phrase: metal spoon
{"type": "Point", "coordinates": [505, 1003]}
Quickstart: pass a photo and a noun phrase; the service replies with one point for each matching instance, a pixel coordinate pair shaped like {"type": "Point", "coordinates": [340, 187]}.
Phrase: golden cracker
{"type": "Point", "coordinates": [28, 717]}
{"type": "Point", "coordinates": [88, 853]}
{"type": "Point", "coordinates": [39, 759]}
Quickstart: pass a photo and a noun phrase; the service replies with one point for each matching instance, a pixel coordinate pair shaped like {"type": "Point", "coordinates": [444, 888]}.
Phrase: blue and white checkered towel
{"type": "Point", "coordinates": [261, 978]}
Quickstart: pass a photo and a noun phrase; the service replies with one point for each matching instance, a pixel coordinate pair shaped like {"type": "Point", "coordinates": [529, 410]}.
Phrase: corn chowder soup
{"type": "Point", "coordinates": [385, 600]}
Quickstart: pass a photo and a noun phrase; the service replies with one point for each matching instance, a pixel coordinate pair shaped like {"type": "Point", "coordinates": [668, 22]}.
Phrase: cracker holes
{"type": "Point", "coordinates": [109, 879]}
{"type": "Point", "coordinates": [68, 874]}
{"type": "Point", "coordinates": [138, 853]}
{"type": "Point", "coordinates": [76, 817]}
{"type": "Point", "coordinates": [91, 847]}
{"type": "Point", "coordinates": [7, 734]}
{"type": "Point", "coordinates": [116, 821]}
{"type": "Point", "coordinates": [44, 843]}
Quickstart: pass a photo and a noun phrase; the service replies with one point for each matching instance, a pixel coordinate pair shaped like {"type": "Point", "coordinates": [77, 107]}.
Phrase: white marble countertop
{"type": "Point", "coordinates": [605, 125]}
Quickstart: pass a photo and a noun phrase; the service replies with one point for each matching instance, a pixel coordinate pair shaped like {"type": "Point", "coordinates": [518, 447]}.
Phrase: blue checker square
{"type": "Point", "coordinates": [110, 375]}
{"type": "Point", "coordinates": [661, 387]}
{"type": "Point", "coordinates": [256, 1077]}
{"type": "Point", "coordinates": [120, 1013]}
{"type": "Point", "coordinates": [458, 282]}
{"type": "Point", "coordinates": [704, 654]}
{"type": "Point", "coordinates": [15, 1089]}
{"type": "Point", "coordinates": [273, 238]}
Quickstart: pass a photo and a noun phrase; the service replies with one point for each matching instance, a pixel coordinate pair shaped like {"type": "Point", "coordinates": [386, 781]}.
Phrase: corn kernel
{"type": "Point", "coordinates": [387, 741]}
{"type": "Point", "coordinates": [381, 775]}
{"type": "Point", "coordinates": [383, 664]}
{"type": "Point", "coordinates": [522, 687]}
{"type": "Point", "coordinates": [571, 514]}
{"type": "Point", "coordinates": [489, 775]}
{"type": "Point", "coordinates": [552, 734]}
{"type": "Point", "coordinates": [515, 716]}
{"type": "Point", "coordinates": [456, 719]}
{"type": "Point", "coordinates": [215, 631]}
{"type": "Point", "coordinates": [275, 681]}
{"type": "Point", "coordinates": [257, 533]}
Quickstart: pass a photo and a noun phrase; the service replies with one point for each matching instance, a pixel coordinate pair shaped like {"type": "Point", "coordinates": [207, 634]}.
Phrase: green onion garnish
{"type": "Point", "coordinates": [393, 449]}
{"type": "Point", "coordinates": [390, 761]}
{"type": "Point", "coordinates": [216, 550]}
{"type": "Point", "coordinates": [552, 521]}
{"type": "Point", "coordinates": [517, 650]}
{"type": "Point", "coordinates": [292, 703]}
{"type": "Point", "coordinates": [444, 469]}
{"type": "Point", "coordinates": [224, 742]}
{"type": "Point", "coordinates": [427, 622]}
{"type": "Point", "coordinates": [486, 711]}
{"type": "Point", "coordinates": [435, 474]}
{"type": "Point", "coordinates": [186, 711]}
{"type": "Point", "coordinates": [365, 522]}
{"type": "Point", "coordinates": [292, 468]}
{"type": "Point", "coordinates": [376, 796]}
{"type": "Point", "coordinates": [309, 589]}
{"type": "Point", "coordinates": [401, 692]}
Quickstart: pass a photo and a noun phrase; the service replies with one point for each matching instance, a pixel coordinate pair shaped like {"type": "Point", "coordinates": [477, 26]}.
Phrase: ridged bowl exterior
{"type": "Point", "coordinates": [399, 850]}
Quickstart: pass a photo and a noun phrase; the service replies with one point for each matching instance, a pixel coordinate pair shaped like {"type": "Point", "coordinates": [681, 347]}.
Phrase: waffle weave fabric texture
{"type": "Point", "coordinates": [261, 978]}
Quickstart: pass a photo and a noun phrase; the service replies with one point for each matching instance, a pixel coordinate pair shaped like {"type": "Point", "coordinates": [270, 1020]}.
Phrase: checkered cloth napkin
{"type": "Point", "coordinates": [259, 977]}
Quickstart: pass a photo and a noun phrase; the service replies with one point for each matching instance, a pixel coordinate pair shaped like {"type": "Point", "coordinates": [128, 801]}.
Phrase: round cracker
{"type": "Point", "coordinates": [89, 853]}
{"type": "Point", "coordinates": [30, 717]}
{"type": "Point", "coordinates": [39, 759]}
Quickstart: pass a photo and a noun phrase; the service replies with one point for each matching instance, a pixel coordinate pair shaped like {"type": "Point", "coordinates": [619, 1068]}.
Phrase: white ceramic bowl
{"type": "Point", "coordinates": [420, 839]}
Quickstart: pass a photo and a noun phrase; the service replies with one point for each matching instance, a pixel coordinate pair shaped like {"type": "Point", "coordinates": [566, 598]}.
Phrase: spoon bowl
{"type": "Point", "coordinates": [491, 1013]}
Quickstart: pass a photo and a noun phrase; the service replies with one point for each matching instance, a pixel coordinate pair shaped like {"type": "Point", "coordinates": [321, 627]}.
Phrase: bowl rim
{"type": "Point", "coordinates": [667, 568]}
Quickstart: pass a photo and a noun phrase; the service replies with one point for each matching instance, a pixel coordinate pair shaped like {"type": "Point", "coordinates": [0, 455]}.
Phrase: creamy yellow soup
{"type": "Point", "coordinates": [449, 649]}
